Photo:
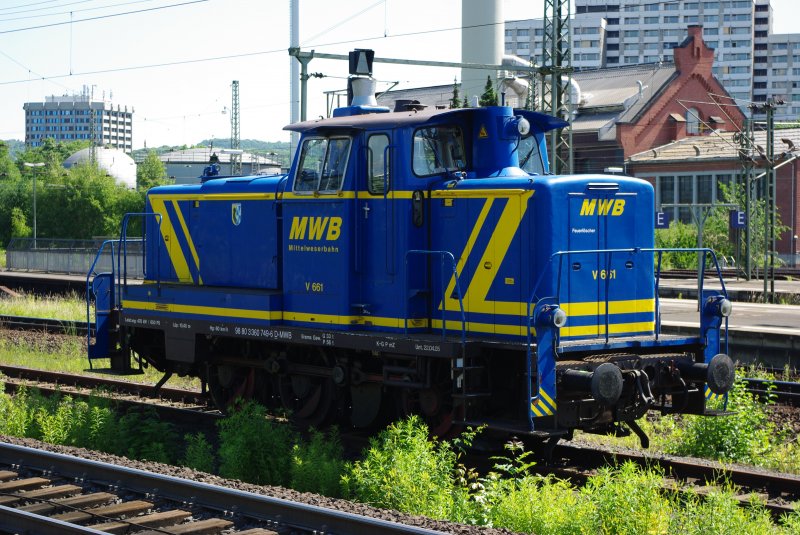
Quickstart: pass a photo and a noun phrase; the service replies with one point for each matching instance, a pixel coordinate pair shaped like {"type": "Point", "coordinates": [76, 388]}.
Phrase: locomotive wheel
{"type": "Point", "coordinates": [309, 399]}
{"type": "Point", "coordinates": [435, 404]}
{"type": "Point", "coordinates": [227, 384]}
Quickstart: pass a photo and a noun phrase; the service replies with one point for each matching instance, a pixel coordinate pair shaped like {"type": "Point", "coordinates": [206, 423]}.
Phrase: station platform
{"type": "Point", "coordinates": [739, 289]}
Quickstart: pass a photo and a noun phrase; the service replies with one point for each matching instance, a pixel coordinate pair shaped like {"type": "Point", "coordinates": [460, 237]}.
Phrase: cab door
{"type": "Point", "coordinates": [376, 213]}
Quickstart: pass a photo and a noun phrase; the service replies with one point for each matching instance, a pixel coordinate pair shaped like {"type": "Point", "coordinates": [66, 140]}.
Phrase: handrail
{"type": "Point", "coordinates": [442, 255]}
{"type": "Point", "coordinates": [635, 250]}
{"type": "Point", "coordinates": [123, 256]}
{"type": "Point", "coordinates": [89, 275]}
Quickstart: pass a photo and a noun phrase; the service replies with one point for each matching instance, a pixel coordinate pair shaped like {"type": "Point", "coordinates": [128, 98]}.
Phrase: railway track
{"type": "Point", "coordinates": [776, 490]}
{"type": "Point", "coordinates": [55, 326]}
{"type": "Point", "coordinates": [47, 493]}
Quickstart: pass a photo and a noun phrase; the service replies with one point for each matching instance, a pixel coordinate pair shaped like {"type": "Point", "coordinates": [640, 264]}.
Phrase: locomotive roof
{"type": "Point", "coordinates": [541, 121]}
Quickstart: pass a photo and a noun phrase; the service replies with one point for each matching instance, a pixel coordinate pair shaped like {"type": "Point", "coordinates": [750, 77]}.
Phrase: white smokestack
{"type": "Point", "coordinates": [481, 42]}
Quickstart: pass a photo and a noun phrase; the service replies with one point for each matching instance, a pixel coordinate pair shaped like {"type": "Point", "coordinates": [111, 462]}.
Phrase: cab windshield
{"type": "Point", "coordinates": [437, 150]}
{"type": "Point", "coordinates": [323, 162]}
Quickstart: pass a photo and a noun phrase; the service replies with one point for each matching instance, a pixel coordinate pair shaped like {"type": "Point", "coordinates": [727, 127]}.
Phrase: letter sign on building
{"type": "Point", "coordinates": [663, 219]}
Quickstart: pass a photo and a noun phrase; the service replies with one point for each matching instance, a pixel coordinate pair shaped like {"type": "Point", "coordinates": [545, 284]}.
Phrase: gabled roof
{"type": "Point", "coordinates": [716, 146]}
{"type": "Point", "coordinates": [619, 93]}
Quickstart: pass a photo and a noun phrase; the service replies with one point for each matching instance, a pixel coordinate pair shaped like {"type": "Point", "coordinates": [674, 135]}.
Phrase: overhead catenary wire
{"type": "Point", "coordinates": [57, 13]}
{"type": "Point", "coordinates": [101, 17]}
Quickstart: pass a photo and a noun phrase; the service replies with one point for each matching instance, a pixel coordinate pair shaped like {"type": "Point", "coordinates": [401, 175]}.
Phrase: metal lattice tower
{"type": "Point", "coordinates": [747, 158]}
{"type": "Point", "coordinates": [236, 142]}
{"type": "Point", "coordinates": [556, 74]}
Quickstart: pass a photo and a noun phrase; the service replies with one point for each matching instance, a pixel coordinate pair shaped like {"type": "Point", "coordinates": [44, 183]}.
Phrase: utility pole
{"type": "Point", "coordinates": [556, 72]}
{"type": "Point", "coordinates": [236, 143]}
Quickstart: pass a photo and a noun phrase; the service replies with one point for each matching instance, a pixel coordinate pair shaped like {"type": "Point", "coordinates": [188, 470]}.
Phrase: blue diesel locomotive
{"type": "Point", "coordinates": [414, 261]}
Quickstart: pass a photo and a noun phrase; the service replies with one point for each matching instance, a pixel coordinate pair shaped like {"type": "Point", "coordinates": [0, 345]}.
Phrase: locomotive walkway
{"type": "Point", "coordinates": [766, 333]}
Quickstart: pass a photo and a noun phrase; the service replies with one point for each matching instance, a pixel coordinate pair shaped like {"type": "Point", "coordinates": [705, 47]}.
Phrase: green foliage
{"type": "Point", "coordinates": [465, 103]}
{"type": "Point", "coordinates": [81, 202]}
{"type": "Point", "coordinates": [403, 470]}
{"type": "Point", "coordinates": [317, 466]}
{"type": "Point", "coordinates": [631, 490]}
{"type": "Point", "coordinates": [141, 435]}
{"type": "Point", "coordinates": [19, 227]}
{"type": "Point", "coordinates": [678, 235]}
{"type": "Point", "coordinates": [199, 453]}
{"type": "Point", "coordinates": [743, 436]}
{"type": "Point", "coordinates": [15, 420]}
{"type": "Point", "coordinates": [720, 512]}
{"type": "Point", "coordinates": [253, 448]}
{"type": "Point", "coordinates": [150, 172]}
{"type": "Point", "coordinates": [489, 96]}
{"type": "Point", "coordinates": [455, 102]}
{"type": "Point", "coordinates": [8, 170]}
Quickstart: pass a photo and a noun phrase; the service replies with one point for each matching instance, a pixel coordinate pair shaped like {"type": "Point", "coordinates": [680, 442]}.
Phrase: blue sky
{"type": "Point", "coordinates": [183, 99]}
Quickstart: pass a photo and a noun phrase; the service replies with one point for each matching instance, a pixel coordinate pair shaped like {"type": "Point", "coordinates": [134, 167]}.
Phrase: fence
{"type": "Point", "coordinates": [71, 257]}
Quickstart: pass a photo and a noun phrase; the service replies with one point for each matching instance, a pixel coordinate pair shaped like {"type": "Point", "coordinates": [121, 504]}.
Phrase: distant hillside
{"type": "Point", "coordinates": [256, 146]}
{"type": "Point", "coordinates": [248, 144]}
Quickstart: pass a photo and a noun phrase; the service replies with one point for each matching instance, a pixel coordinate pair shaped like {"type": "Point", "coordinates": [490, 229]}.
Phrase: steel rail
{"type": "Point", "coordinates": [26, 323]}
{"type": "Point", "coordinates": [213, 497]}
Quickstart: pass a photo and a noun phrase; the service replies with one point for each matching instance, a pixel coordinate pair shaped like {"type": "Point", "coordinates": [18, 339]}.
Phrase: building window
{"type": "Point", "coordinates": [692, 121]}
{"type": "Point", "coordinates": [672, 19]}
{"type": "Point", "coordinates": [705, 189]}
{"type": "Point", "coordinates": [651, 20]}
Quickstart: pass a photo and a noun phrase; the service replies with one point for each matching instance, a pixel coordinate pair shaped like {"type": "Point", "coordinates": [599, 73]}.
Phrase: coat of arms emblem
{"type": "Point", "coordinates": [236, 213]}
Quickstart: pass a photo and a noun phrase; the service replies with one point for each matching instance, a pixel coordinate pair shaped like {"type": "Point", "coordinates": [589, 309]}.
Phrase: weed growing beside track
{"type": "Point", "coordinates": [401, 469]}
{"type": "Point", "coordinates": [70, 307]}
{"type": "Point", "coordinates": [745, 435]}
{"type": "Point", "coordinates": [63, 353]}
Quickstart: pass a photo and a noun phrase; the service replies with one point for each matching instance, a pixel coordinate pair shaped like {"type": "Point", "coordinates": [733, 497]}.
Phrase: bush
{"type": "Point", "coordinates": [743, 436]}
{"type": "Point", "coordinates": [318, 466]}
{"type": "Point", "coordinates": [628, 499]}
{"type": "Point", "coordinates": [199, 453]}
{"type": "Point", "coordinates": [403, 470]}
{"type": "Point", "coordinates": [253, 448]}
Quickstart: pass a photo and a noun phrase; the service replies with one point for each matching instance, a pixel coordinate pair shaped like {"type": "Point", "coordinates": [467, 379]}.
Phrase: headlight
{"type": "Point", "coordinates": [523, 127]}
{"type": "Point", "coordinates": [554, 315]}
{"type": "Point", "coordinates": [719, 306]}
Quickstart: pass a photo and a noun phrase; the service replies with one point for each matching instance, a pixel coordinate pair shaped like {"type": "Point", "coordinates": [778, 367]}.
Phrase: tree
{"type": "Point", "coordinates": [19, 226]}
{"type": "Point", "coordinates": [151, 172]}
{"type": "Point", "coordinates": [455, 102]}
{"type": "Point", "coordinates": [465, 104]}
{"type": "Point", "coordinates": [8, 171]}
{"type": "Point", "coordinates": [489, 97]}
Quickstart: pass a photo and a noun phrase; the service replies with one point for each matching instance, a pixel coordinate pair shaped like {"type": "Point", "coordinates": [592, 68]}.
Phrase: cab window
{"type": "Point", "coordinates": [530, 160]}
{"type": "Point", "coordinates": [437, 150]}
{"type": "Point", "coordinates": [378, 165]}
{"type": "Point", "coordinates": [322, 164]}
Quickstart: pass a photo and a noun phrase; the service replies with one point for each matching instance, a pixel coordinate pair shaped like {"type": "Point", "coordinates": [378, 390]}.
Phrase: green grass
{"type": "Point", "coordinates": [68, 354]}
{"type": "Point", "coordinates": [71, 307]}
{"type": "Point", "coordinates": [2, 258]}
